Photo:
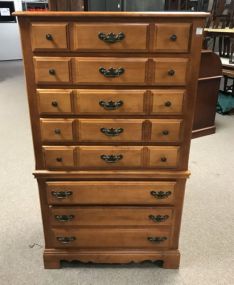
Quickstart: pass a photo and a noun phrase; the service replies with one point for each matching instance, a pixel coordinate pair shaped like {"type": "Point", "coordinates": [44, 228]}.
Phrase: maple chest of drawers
{"type": "Point", "coordinates": [111, 98]}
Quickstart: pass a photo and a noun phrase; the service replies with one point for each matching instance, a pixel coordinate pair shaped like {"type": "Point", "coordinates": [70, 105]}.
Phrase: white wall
{"type": "Point", "coordinates": [10, 47]}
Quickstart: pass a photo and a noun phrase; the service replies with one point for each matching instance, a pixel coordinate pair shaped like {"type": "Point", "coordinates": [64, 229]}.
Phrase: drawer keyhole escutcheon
{"type": "Point", "coordinates": [59, 159]}
{"type": "Point", "coordinates": [64, 218]}
{"type": "Point", "coordinates": [167, 104]}
{"type": "Point", "coordinates": [173, 37]}
{"type": "Point", "coordinates": [49, 37]}
{"type": "Point", "coordinates": [111, 72]}
{"type": "Point", "coordinates": [111, 38]}
{"type": "Point", "coordinates": [158, 218]}
{"type": "Point", "coordinates": [165, 132]}
{"type": "Point", "coordinates": [160, 194]}
{"type": "Point", "coordinates": [110, 105]}
{"type": "Point", "coordinates": [112, 132]}
{"type": "Point", "coordinates": [61, 194]}
{"type": "Point", "coordinates": [157, 239]}
{"type": "Point", "coordinates": [171, 72]}
{"type": "Point", "coordinates": [57, 131]}
{"type": "Point", "coordinates": [54, 103]}
{"type": "Point", "coordinates": [52, 71]}
{"type": "Point", "coordinates": [111, 158]}
{"type": "Point", "coordinates": [65, 240]}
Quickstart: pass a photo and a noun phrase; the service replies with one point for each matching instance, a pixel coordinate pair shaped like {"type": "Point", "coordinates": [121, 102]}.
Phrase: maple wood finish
{"type": "Point", "coordinates": [111, 99]}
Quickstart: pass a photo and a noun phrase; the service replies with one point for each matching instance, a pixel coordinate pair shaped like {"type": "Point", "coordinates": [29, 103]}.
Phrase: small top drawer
{"type": "Point", "coordinates": [172, 37]}
{"type": "Point", "coordinates": [109, 37]}
{"type": "Point", "coordinates": [49, 36]}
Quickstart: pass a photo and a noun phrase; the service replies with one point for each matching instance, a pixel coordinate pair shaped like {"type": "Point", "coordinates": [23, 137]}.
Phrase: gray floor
{"type": "Point", "coordinates": [207, 228]}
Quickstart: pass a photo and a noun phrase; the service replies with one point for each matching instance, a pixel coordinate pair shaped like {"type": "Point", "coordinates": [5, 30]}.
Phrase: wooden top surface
{"type": "Point", "coordinates": [113, 14]}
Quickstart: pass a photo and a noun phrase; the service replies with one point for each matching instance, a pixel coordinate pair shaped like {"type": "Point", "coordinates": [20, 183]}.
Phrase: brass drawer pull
{"type": "Point", "coordinates": [59, 159]}
{"type": "Point", "coordinates": [64, 218]}
{"type": "Point", "coordinates": [158, 218]}
{"type": "Point", "coordinates": [167, 104]}
{"type": "Point", "coordinates": [65, 240]}
{"type": "Point", "coordinates": [57, 131]}
{"type": "Point", "coordinates": [54, 103]}
{"type": "Point", "coordinates": [111, 38]}
{"type": "Point", "coordinates": [165, 132]}
{"type": "Point", "coordinates": [171, 72]}
{"type": "Point", "coordinates": [52, 71]}
{"type": "Point", "coordinates": [163, 159]}
{"type": "Point", "coordinates": [111, 72]}
{"type": "Point", "coordinates": [61, 194]}
{"type": "Point", "coordinates": [49, 37]}
{"type": "Point", "coordinates": [157, 239]}
{"type": "Point", "coordinates": [110, 105]}
{"type": "Point", "coordinates": [173, 38]}
{"type": "Point", "coordinates": [111, 158]}
{"type": "Point", "coordinates": [112, 132]}
{"type": "Point", "coordinates": [160, 194]}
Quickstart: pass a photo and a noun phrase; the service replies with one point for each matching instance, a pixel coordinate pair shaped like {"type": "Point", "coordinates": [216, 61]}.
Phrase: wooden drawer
{"type": "Point", "coordinates": [59, 157]}
{"type": "Point", "coordinates": [166, 130]}
{"type": "Point", "coordinates": [110, 130]}
{"type": "Point", "coordinates": [110, 193]}
{"type": "Point", "coordinates": [54, 101]}
{"type": "Point", "coordinates": [54, 70]}
{"type": "Point", "coordinates": [109, 102]}
{"type": "Point", "coordinates": [107, 157]}
{"type": "Point", "coordinates": [167, 101]}
{"type": "Point", "coordinates": [49, 36]}
{"type": "Point", "coordinates": [57, 130]}
{"type": "Point", "coordinates": [111, 237]}
{"type": "Point", "coordinates": [110, 70]}
{"type": "Point", "coordinates": [164, 157]}
{"type": "Point", "coordinates": [110, 37]}
{"type": "Point", "coordinates": [172, 37]}
{"type": "Point", "coordinates": [110, 216]}
{"type": "Point", "coordinates": [170, 71]}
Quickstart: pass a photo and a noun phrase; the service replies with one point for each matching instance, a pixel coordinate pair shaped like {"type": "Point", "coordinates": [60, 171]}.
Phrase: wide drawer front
{"type": "Point", "coordinates": [106, 216]}
{"type": "Point", "coordinates": [111, 130]}
{"type": "Point", "coordinates": [110, 102]}
{"type": "Point", "coordinates": [110, 193]}
{"type": "Point", "coordinates": [110, 71]}
{"type": "Point", "coordinates": [109, 237]}
{"type": "Point", "coordinates": [109, 37]}
{"type": "Point", "coordinates": [108, 157]}
{"type": "Point", "coordinates": [106, 36]}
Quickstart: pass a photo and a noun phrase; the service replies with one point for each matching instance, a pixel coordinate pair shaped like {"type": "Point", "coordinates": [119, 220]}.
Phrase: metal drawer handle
{"type": "Point", "coordinates": [165, 132]}
{"type": "Point", "coordinates": [167, 104]}
{"type": "Point", "coordinates": [65, 240]}
{"type": "Point", "coordinates": [52, 71]}
{"type": "Point", "coordinates": [110, 105]}
{"type": "Point", "coordinates": [112, 132]}
{"type": "Point", "coordinates": [173, 38]}
{"type": "Point", "coordinates": [64, 218]}
{"type": "Point", "coordinates": [59, 159]}
{"type": "Point", "coordinates": [157, 239]}
{"type": "Point", "coordinates": [111, 72]}
{"type": "Point", "coordinates": [57, 131]}
{"type": "Point", "coordinates": [49, 37]}
{"type": "Point", "coordinates": [61, 194]}
{"type": "Point", "coordinates": [171, 72]}
{"type": "Point", "coordinates": [111, 158]}
{"type": "Point", "coordinates": [54, 103]}
{"type": "Point", "coordinates": [158, 218]}
{"type": "Point", "coordinates": [163, 159]}
{"type": "Point", "coordinates": [160, 194]}
{"type": "Point", "coordinates": [111, 38]}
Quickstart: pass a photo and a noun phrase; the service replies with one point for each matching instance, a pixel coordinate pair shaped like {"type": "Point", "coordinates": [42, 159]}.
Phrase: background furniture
{"type": "Point", "coordinates": [67, 5]}
{"type": "Point", "coordinates": [210, 75]}
{"type": "Point", "coordinates": [112, 98]}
